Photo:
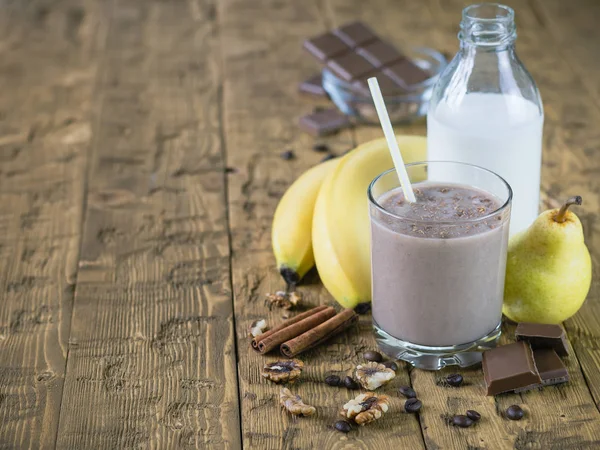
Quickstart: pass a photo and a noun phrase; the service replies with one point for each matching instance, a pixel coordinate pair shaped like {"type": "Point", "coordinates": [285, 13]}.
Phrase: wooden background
{"type": "Point", "coordinates": [132, 262]}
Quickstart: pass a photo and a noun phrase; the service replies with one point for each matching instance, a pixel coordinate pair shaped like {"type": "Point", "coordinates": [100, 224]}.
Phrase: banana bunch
{"type": "Point", "coordinates": [323, 218]}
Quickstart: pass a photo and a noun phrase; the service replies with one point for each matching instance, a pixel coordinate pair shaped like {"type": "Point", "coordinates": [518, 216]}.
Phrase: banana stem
{"type": "Point", "coordinates": [562, 212]}
{"type": "Point", "coordinates": [290, 277]}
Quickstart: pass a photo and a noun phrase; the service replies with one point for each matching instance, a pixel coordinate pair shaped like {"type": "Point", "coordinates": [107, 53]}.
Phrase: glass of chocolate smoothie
{"type": "Point", "coordinates": [438, 264]}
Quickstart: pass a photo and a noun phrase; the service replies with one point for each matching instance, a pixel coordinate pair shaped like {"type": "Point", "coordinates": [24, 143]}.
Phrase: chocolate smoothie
{"type": "Point", "coordinates": [438, 272]}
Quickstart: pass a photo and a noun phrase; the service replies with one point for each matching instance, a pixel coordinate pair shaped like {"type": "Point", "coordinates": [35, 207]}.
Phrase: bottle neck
{"type": "Point", "coordinates": [488, 27]}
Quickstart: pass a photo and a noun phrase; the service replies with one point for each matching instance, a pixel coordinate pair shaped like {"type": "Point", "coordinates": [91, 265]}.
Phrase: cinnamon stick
{"type": "Point", "coordinates": [319, 334]}
{"type": "Point", "coordinates": [286, 323]}
{"type": "Point", "coordinates": [292, 327]}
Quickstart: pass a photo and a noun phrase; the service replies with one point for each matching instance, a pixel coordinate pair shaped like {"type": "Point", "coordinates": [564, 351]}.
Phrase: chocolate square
{"type": "Point", "coordinates": [325, 46]}
{"type": "Point", "coordinates": [541, 335]}
{"type": "Point", "coordinates": [380, 53]}
{"type": "Point", "coordinates": [388, 86]}
{"type": "Point", "coordinates": [350, 67]}
{"type": "Point", "coordinates": [550, 367]}
{"type": "Point", "coordinates": [323, 122]}
{"type": "Point", "coordinates": [510, 368]}
{"type": "Point", "coordinates": [406, 73]}
{"type": "Point", "coordinates": [355, 34]}
{"type": "Point", "coordinates": [313, 86]}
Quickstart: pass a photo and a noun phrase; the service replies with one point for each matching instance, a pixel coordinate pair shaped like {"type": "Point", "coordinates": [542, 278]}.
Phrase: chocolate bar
{"type": "Point", "coordinates": [323, 122]}
{"type": "Point", "coordinates": [406, 73]}
{"type": "Point", "coordinates": [541, 335]}
{"type": "Point", "coordinates": [354, 53]}
{"type": "Point", "coordinates": [380, 53]}
{"type": "Point", "coordinates": [326, 46]}
{"type": "Point", "coordinates": [355, 34]}
{"type": "Point", "coordinates": [550, 367]}
{"type": "Point", "coordinates": [510, 368]}
{"type": "Point", "coordinates": [313, 86]}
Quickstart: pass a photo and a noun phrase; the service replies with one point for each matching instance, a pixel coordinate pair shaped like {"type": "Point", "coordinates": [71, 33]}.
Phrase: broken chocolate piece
{"type": "Point", "coordinates": [510, 368]}
{"type": "Point", "coordinates": [350, 66]}
{"type": "Point", "coordinates": [380, 53]}
{"type": "Point", "coordinates": [324, 122]}
{"type": "Point", "coordinates": [406, 73]}
{"type": "Point", "coordinates": [313, 86]}
{"type": "Point", "coordinates": [550, 367]}
{"type": "Point", "coordinates": [355, 34]}
{"type": "Point", "coordinates": [325, 46]}
{"type": "Point", "coordinates": [388, 86]}
{"type": "Point", "coordinates": [540, 335]}
{"type": "Point", "coordinates": [358, 53]}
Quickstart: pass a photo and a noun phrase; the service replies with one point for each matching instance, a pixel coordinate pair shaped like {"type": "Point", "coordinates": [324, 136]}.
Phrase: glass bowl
{"type": "Point", "coordinates": [403, 105]}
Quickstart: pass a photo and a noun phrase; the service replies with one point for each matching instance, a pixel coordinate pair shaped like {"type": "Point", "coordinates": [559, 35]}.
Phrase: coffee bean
{"type": "Point", "coordinates": [343, 426]}
{"type": "Point", "coordinates": [372, 355]}
{"type": "Point", "coordinates": [362, 308]}
{"type": "Point", "coordinates": [287, 155]}
{"type": "Point", "coordinates": [328, 157]}
{"type": "Point", "coordinates": [412, 405]}
{"type": "Point", "coordinates": [391, 365]}
{"type": "Point", "coordinates": [461, 421]}
{"type": "Point", "coordinates": [350, 383]}
{"type": "Point", "coordinates": [321, 148]}
{"type": "Point", "coordinates": [333, 380]}
{"type": "Point", "coordinates": [514, 412]}
{"type": "Point", "coordinates": [473, 415]}
{"type": "Point", "coordinates": [454, 380]}
{"type": "Point", "coordinates": [408, 392]}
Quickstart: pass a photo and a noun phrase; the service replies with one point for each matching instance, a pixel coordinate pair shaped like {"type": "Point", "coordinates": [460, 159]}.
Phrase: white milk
{"type": "Point", "coordinates": [502, 133]}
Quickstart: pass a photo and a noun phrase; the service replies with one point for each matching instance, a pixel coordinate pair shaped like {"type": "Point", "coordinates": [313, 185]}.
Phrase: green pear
{"type": "Point", "coordinates": [548, 269]}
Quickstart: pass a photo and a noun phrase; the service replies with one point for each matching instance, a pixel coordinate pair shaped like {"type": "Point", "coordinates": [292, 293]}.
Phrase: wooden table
{"type": "Point", "coordinates": [132, 261]}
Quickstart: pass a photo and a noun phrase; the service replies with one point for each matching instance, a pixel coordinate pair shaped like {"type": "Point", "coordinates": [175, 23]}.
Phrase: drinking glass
{"type": "Point", "coordinates": [438, 284]}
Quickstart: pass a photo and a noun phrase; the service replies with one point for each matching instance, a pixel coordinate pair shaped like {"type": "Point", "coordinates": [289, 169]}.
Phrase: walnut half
{"type": "Point", "coordinates": [366, 408]}
{"type": "Point", "coordinates": [373, 375]}
{"type": "Point", "coordinates": [283, 371]}
{"type": "Point", "coordinates": [294, 404]}
{"type": "Point", "coordinates": [284, 300]}
{"type": "Point", "coordinates": [257, 327]}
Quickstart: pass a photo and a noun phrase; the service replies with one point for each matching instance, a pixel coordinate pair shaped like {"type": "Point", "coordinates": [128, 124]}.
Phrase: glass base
{"type": "Point", "coordinates": [435, 358]}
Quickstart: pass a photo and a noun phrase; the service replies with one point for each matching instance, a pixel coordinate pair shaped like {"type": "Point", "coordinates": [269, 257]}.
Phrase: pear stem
{"type": "Point", "coordinates": [562, 212]}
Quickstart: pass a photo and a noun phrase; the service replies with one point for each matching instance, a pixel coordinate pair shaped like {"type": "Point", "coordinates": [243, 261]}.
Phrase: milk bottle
{"type": "Point", "coordinates": [486, 109]}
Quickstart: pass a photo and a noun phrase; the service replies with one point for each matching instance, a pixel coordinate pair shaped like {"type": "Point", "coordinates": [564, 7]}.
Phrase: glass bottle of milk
{"type": "Point", "coordinates": [486, 109]}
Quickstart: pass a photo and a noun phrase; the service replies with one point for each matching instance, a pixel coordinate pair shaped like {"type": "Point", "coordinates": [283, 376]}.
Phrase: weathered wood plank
{"type": "Point", "coordinates": [263, 62]}
{"type": "Point", "coordinates": [582, 140]}
{"type": "Point", "coordinates": [574, 27]}
{"type": "Point", "coordinates": [151, 351]}
{"type": "Point", "coordinates": [572, 422]}
{"type": "Point", "coordinates": [563, 415]}
{"type": "Point", "coordinates": [47, 66]}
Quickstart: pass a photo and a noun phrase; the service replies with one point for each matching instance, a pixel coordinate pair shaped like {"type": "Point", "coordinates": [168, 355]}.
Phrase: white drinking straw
{"type": "Point", "coordinates": [388, 131]}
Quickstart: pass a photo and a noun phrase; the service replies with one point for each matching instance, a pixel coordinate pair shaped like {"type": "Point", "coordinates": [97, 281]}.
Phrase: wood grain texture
{"type": "Point", "coordinates": [151, 351]}
{"type": "Point", "coordinates": [263, 64]}
{"type": "Point", "coordinates": [563, 424]}
{"type": "Point", "coordinates": [579, 52]}
{"type": "Point", "coordinates": [47, 64]}
{"type": "Point", "coordinates": [435, 24]}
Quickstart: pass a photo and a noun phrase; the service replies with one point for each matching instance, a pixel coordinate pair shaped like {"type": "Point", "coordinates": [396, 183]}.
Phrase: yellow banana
{"type": "Point", "coordinates": [341, 230]}
{"type": "Point", "coordinates": [291, 233]}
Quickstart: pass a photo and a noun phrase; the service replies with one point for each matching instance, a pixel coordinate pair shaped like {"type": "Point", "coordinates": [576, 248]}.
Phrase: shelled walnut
{"type": "Point", "coordinates": [366, 408]}
{"type": "Point", "coordinates": [294, 404]}
{"type": "Point", "coordinates": [257, 327]}
{"type": "Point", "coordinates": [284, 300]}
{"type": "Point", "coordinates": [373, 375]}
{"type": "Point", "coordinates": [283, 371]}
